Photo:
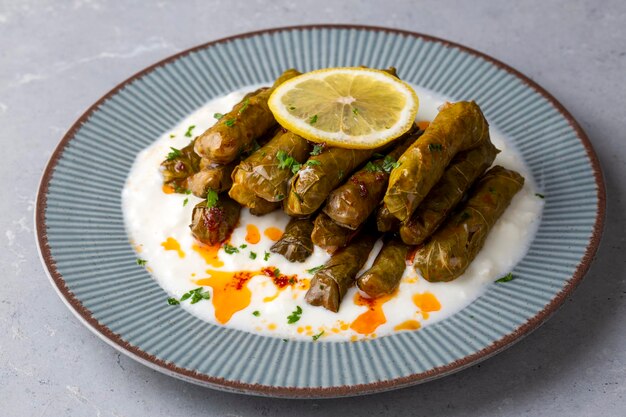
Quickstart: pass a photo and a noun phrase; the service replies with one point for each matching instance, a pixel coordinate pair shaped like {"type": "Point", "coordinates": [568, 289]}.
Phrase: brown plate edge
{"type": "Point", "coordinates": [168, 368]}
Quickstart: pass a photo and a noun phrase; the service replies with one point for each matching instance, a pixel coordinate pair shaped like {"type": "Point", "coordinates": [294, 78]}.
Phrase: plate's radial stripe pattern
{"type": "Point", "coordinates": [82, 226]}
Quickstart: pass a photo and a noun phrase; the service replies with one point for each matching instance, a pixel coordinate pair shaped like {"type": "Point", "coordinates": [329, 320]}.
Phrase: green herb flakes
{"type": "Point", "coordinates": [141, 262]}
{"type": "Point", "coordinates": [508, 277]}
{"type": "Point", "coordinates": [256, 313]}
{"type": "Point", "coordinates": [315, 270]}
{"type": "Point", "coordinates": [211, 198]}
{"type": "Point", "coordinates": [372, 167]}
{"type": "Point", "coordinates": [189, 130]}
{"type": "Point", "coordinates": [313, 119]}
{"type": "Point", "coordinates": [229, 249]}
{"type": "Point", "coordinates": [252, 255]}
{"type": "Point", "coordinates": [317, 149]}
{"type": "Point", "coordinates": [196, 295]}
{"type": "Point", "coordinates": [295, 315]}
{"type": "Point", "coordinates": [317, 336]}
{"type": "Point", "coordinates": [389, 163]}
{"type": "Point", "coordinates": [175, 153]}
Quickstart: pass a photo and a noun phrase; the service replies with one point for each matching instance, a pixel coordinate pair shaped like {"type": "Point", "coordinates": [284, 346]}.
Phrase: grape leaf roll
{"type": "Point", "coordinates": [457, 242]}
{"type": "Point", "coordinates": [458, 127]}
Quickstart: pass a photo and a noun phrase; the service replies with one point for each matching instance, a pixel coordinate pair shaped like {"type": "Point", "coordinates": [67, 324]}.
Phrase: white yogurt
{"type": "Point", "coordinates": [152, 217]}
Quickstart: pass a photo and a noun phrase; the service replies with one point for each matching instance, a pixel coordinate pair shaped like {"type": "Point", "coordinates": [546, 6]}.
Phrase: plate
{"type": "Point", "coordinates": [85, 248]}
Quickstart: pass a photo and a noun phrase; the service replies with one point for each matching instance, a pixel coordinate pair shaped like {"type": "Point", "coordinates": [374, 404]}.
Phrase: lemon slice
{"type": "Point", "coordinates": [357, 108]}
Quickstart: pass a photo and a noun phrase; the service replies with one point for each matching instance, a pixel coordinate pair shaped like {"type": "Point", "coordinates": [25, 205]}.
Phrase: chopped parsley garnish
{"type": "Point", "coordinates": [313, 162]}
{"type": "Point", "coordinates": [292, 108]}
{"type": "Point", "coordinates": [172, 135]}
{"type": "Point", "coordinates": [175, 153]}
{"type": "Point", "coordinates": [196, 295]}
{"type": "Point", "coordinates": [313, 119]}
{"type": "Point", "coordinates": [540, 195]}
{"type": "Point", "coordinates": [276, 272]}
{"type": "Point", "coordinates": [229, 249]}
{"type": "Point", "coordinates": [245, 106]}
{"type": "Point", "coordinates": [317, 149]}
{"type": "Point", "coordinates": [185, 201]}
{"type": "Point", "coordinates": [279, 196]}
{"type": "Point", "coordinates": [266, 256]}
{"type": "Point", "coordinates": [285, 161]}
{"type": "Point", "coordinates": [315, 270]}
{"type": "Point", "coordinates": [295, 315]}
{"type": "Point", "coordinates": [355, 111]}
{"type": "Point", "coordinates": [435, 147]}
{"type": "Point", "coordinates": [252, 255]}
{"type": "Point", "coordinates": [211, 198]}
{"type": "Point", "coordinates": [243, 246]}
{"type": "Point", "coordinates": [256, 313]}
{"type": "Point", "coordinates": [141, 262]}
{"type": "Point", "coordinates": [390, 163]}
{"type": "Point", "coordinates": [317, 336]}
{"type": "Point", "coordinates": [189, 129]}
{"type": "Point", "coordinates": [292, 280]}
{"type": "Point", "coordinates": [218, 115]}
{"type": "Point", "coordinates": [230, 122]}
{"type": "Point", "coordinates": [372, 167]}
{"type": "Point", "coordinates": [508, 277]}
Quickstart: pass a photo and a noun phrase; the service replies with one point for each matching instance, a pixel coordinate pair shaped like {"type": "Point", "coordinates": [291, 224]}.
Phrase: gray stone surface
{"type": "Point", "coordinates": [58, 57]}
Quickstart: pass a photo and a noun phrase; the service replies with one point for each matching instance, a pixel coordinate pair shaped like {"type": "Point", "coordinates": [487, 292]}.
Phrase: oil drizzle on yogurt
{"type": "Point", "coordinates": [172, 244]}
{"type": "Point", "coordinates": [369, 321]}
{"type": "Point", "coordinates": [427, 303]}
{"type": "Point", "coordinates": [230, 292]}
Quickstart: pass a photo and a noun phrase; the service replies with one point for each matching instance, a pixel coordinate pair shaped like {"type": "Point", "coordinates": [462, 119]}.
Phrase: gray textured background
{"type": "Point", "coordinates": [57, 58]}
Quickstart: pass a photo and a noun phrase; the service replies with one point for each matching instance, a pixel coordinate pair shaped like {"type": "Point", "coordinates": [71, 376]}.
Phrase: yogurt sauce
{"type": "Point", "coordinates": [157, 224]}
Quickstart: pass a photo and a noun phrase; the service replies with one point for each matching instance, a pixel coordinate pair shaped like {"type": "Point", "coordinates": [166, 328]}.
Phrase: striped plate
{"type": "Point", "coordinates": [91, 264]}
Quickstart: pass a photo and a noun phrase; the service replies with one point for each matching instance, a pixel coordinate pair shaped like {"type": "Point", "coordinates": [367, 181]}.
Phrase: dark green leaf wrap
{"type": "Point", "coordinates": [385, 221]}
{"type": "Point", "coordinates": [214, 177]}
{"type": "Point", "coordinates": [295, 244]}
{"type": "Point", "coordinates": [458, 127]}
{"type": "Point", "coordinates": [237, 130]}
{"type": "Point", "coordinates": [328, 235]}
{"type": "Point", "coordinates": [312, 184]}
{"type": "Point", "coordinates": [261, 171]}
{"type": "Point", "coordinates": [176, 170]}
{"type": "Point", "coordinates": [350, 204]}
{"type": "Point", "coordinates": [213, 225]}
{"type": "Point", "coordinates": [457, 242]}
{"type": "Point", "coordinates": [386, 271]}
{"type": "Point", "coordinates": [330, 284]}
{"type": "Point", "coordinates": [464, 169]}
{"type": "Point", "coordinates": [247, 198]}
